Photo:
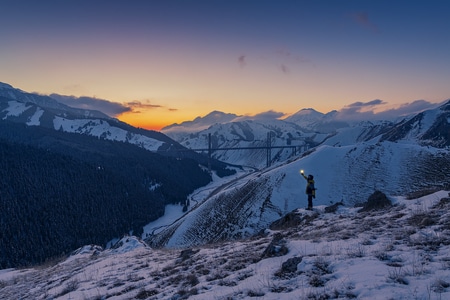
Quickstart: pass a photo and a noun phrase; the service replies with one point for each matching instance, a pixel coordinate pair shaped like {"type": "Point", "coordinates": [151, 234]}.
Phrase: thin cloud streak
{"type": "Point", "coordinates": [372, 110]}
{"type": "Point", "coordinates": [112, 109]}
{"type": "Point", "coordinates": [263, 116]}
{"type": "Point", "coordinates": [108, 107]}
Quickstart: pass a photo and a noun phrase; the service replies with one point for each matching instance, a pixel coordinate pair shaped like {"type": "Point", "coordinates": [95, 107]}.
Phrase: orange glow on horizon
{"type": "Point", "coordinates": [142, 122]}
{"type": "Point", "coordinates": [148, 126]}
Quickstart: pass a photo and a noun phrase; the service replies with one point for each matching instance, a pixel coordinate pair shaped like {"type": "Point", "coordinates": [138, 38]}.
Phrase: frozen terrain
{"type": "Point", "coordinates": [397, 252]}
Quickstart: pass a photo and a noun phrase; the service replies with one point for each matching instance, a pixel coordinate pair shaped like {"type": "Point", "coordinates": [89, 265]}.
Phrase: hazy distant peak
{"type": "Point", "coordinates": [307, 110]}
{"type": "Point", "coordinates": [217, 117]}
{"type": "Point", "coordinates": [212, 118]}
{"type": "Point", "coordinates": [305, 114]}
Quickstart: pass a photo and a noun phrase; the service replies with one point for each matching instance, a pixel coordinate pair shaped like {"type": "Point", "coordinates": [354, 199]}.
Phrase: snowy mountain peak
{"type": "Point", "coordinates": [308, 111]}
{"type": "Point", "coordinates": [200, 123]}
{"type": "Point", "coordinates": [215, 117]}
{"type": "Point", "coordinates": [306, 117]}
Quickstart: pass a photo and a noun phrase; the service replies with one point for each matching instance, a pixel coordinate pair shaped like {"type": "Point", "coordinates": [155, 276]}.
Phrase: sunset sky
{"type": "Point", "coordinates": [152, 63]}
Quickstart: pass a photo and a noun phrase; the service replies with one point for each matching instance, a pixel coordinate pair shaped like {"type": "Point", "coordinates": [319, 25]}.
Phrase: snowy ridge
{"type": "Point", "coordinates": [9, 92]}
{"type": "Point", "coordinates": [103, 129]}
{"type": "Point", "coordinates": [100, 128]}
{"type": "Point", "coordinates": [37, 110]}
{"type": "Point", "coordinates": [429, 128]}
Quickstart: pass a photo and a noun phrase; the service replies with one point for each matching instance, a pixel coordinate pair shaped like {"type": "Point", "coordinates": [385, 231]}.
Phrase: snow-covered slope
{"type": "Point", "coordinates": [7, 92]}
{"type": "Point", "coordinates": [36, 110]}
{"type": "Point", "coordinates": [347, 174]}
{"type": "Point", "coordinates": [431, 128]}
{"type": "Point", "coordinates": [400, 252]}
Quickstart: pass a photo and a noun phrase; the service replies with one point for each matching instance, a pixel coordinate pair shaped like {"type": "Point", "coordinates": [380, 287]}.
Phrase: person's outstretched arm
{"type": "Point", "coordinates": [306, 178]}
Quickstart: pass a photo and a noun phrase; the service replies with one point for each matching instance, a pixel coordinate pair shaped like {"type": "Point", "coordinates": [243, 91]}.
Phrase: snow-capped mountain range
{"type": "Point", "coordinates": [303, 130]}
{"type": "Point", "coordinates": [343, 173]}
{"type": "Point", "coordinates": [348, 164]}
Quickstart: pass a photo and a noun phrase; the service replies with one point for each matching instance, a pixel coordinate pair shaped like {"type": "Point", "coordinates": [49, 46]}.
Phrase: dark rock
{"type": "Point", "coordinates": [333, 208]}
{"type": "Point", "coordinates": [290, 266]}
{"type": "Point", "coordinates": [186, 254]}
{"type": "Point", "coordinates": [376, 201]}
{"type": "Point", "coordinates": [291, 219]}
{"type": "Point", "coordinates": [277, 247]}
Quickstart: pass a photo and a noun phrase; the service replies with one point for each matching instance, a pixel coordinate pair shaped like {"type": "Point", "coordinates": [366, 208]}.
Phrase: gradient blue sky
{"type": "Point", "coordinates": [153, 63]}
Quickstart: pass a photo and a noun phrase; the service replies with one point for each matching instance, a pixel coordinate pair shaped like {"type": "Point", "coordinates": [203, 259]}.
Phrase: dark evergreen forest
{"type": "Point", "coordinates": [60, 191]}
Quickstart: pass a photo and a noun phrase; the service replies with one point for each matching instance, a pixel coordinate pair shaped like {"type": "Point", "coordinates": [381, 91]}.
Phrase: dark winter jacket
{"type": "Point", "coordinates": [310, 189]}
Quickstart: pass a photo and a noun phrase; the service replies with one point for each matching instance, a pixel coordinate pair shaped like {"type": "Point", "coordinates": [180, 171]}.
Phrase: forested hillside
{"type": "Point", "coordinates": [60, 191]}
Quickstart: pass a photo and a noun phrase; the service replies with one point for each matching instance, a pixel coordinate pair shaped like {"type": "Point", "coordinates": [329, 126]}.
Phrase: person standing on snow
{"type": "Point", "coordinates": [310, 189]}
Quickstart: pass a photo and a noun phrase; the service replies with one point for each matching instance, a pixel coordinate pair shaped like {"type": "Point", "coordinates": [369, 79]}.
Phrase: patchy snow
{"type": "Point", "coordinates": [401, 252]}
{"type": "Point", "coordinates": [102, 129]}
{"type": "Point", "coordinates": [15, 109]}
{"type": "Point", "coordinates": [128, 244]}
{"type": "Point", "coordinates": [429, 118]}
{"type": "Point", "coordinates": [34, 119]}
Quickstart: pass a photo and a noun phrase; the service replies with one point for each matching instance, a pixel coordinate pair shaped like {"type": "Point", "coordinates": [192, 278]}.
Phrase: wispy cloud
{"type": "Point", "coordinates": [287, 55]}
{"type": "Point", "coordinates": [242, 61]}
{"type": "Point", "coordinates": [284, 69]}
{"type": "Point", "coordinates": [365, 104]}
{"type": "Point", "coordinates": [137, 106]}
{"type": "Point", "coordinates": [288, 60]}
{"type": "Point", "coordinates": [377, 110]}
{"type": "Point", "coordinates": [362, 18]}
{"type": "Point", "coordinates": [282, 58]}
{"type": "Point", "coordinates": [108, 107]}
{"type": "Point", "coordinates": [406, 109]}
{"type": "Point", "coordinates": [267, 115]}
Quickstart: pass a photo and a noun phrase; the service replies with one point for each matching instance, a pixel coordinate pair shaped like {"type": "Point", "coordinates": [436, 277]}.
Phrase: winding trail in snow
{"type": "Point", "coordinates": [215, 191]}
